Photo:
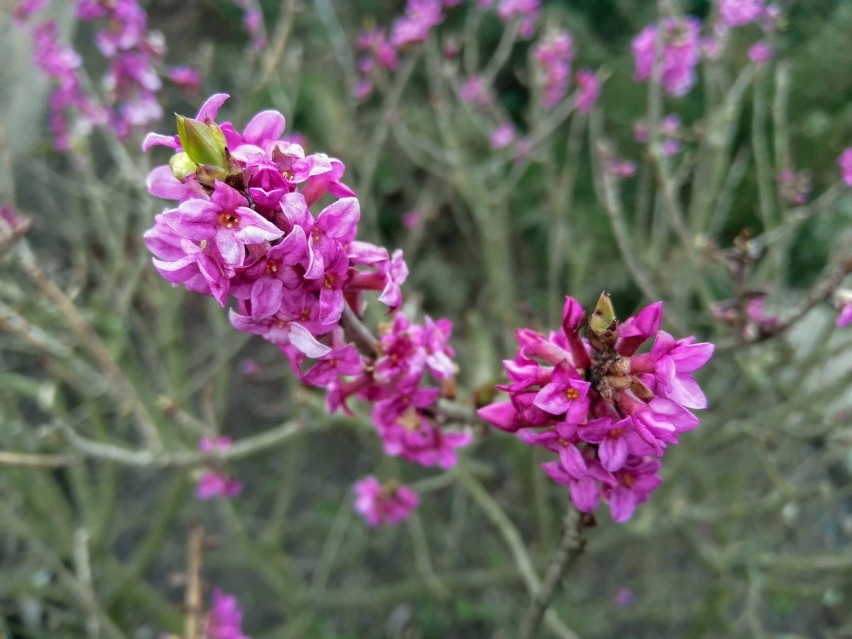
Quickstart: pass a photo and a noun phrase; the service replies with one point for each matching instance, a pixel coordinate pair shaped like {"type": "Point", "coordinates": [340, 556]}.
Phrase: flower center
{"type": "Point", "coordinates": [229, 220]}
{"type": "Point", "coordinates": [615, 433]}
{"type": "Point", "coordinates": [271, 267]}
{"type": "Point", "coordinates": [627, 479]}
{"type": "Point", "coordinates": [572, 393]}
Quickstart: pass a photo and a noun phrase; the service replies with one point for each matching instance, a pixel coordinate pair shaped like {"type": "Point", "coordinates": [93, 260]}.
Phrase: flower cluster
{"type": "Point", "coordinates": [737, 13]}
{"type": "Point", "coordinates": [253, 22]}
{"type": "Point", "coordinates": [844, 161]}
{"type": "Point", "coordinates": [412, 367]}
{"type": "Point", "coordinates": [132, 80]}
{"type": "Point", "coordinates": [380, 51]}
{"type": "Point", "coordinates": [554, 55]}
{"type": "Point", "coordinates": [525, 11]}
{"type": "Point", "coordinates": [243, 228]}
{"type": "Point", "coordinates": [131, 83]}
{"type": "Point", "coordinates": [588, 90]}
{"type": "Point", "coordinates": [383, 504]}
{"type": "Point", "coordinates": [681, 51]}
{"type": "Point", "coordinates": [607, 410]}
{"type": "Point", "coordinates": [224, 621]}
{"type": "Point", "coordinates": [61, 64]}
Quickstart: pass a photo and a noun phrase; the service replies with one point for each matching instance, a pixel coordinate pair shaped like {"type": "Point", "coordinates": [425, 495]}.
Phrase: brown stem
{"type": "Point", "coordinates": [358, 332]}
{"type": "Point", "coordinates": [192, 598]}
{"type": "Point", "coordinates": [570, 547]}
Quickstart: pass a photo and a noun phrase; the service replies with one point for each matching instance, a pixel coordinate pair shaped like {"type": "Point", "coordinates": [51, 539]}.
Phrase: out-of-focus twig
{"type": "Point", "coordinates": [193, 606]}
{"type": "Point", "coordinates": [570, 547]}
{"type": "Point", "coordinates": [93, 343]}
{"type": "Point", "coordinates": [514, 541]}
{"type": "Point", "coordinates": [245, 447]}
{"type": "Point", "coordinates": [32, 460]}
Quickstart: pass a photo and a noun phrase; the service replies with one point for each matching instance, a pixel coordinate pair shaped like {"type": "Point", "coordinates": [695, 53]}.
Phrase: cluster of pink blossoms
{"type": "Point", "coordinates": [681, 51]}
{"type": "Point", "coordinates": [383, 504]}
{"type": "Point", "coordinates": [253, 22]}
{"type": "Point", "coordinates": [243, 228]}
{"type": "Point", "coordinates": [554, 54]}
{"type": "Point", "coordinates": [403, 382]}
{"type": "Point", "coordinates": [225, 619]}
{"type": "Point", "coordinates": [130, 84]}
{"type": "Point", "coordinates": [607, 410]}
{"type": "Point", "coordinates": [738, 13]}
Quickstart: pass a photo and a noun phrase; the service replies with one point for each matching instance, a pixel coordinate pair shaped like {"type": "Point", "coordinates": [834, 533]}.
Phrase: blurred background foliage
{"type": "Point", "coordinates": [749, 536]}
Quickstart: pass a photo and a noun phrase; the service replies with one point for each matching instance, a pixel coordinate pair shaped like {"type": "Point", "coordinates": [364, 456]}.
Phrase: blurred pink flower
{"type": "Point", "coordinates": [383, 504]}
{"type": "Point", "coordinates": [681, 49]}
{"type": "Point", "coordinates": [412, 219]}
{"type": "Point", "coordinates": [186, 78]}
{"type": "Point", "coordinates": [224, 621]}
{"type": "Point", "coordinates": [475, 91]}
{"type": "Point", "coordinates": [843, 299]}
{"type": "Point", "coordinates": [760, 52]}
{"type": "Point", "coordinates": [845, 163]}
{"type": "Point", "coordinates": [502, 135]}
{"type": "Point", "coordinates": [736, 13]}
{"type": "Point", "coordinates": [588, 90]}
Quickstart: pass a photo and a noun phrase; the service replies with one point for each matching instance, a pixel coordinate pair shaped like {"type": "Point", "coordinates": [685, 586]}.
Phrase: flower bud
{"type": "Point", "coordinates": [603, 317]}
{"type": "Point", "coordinates": [182, 167]}
{"type": "Point", "coordinates": [203, 142]}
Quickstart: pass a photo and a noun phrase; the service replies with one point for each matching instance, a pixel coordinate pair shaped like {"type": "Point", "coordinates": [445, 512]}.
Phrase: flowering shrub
{"type": "Point", "coordinates": [353, 472]}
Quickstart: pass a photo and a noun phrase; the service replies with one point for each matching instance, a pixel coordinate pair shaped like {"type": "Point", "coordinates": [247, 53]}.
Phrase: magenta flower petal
{"type": "Point", "coordinates": [266, 125]}
{"type": "Point", "coordinates": [210, 108]}
{"type": "Point", "coordinates": [301, 338]}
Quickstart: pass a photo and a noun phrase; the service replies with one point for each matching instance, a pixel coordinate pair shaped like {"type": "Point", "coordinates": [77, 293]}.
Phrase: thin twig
{"type": "Point", "coordinates": [515, 543]}
{"type": "Point", "coordinates": [11, 458]}
{"type": "Point", "coordinates": [194, 608]}
{"type": "Point", "coordinates": [93, 343]}
{"type": "Point", "coordinates": [570, 547]}
{"type": "Point", "coordinates": [357, 331]}
{"type": "Point", "coordinates": [159, 459]}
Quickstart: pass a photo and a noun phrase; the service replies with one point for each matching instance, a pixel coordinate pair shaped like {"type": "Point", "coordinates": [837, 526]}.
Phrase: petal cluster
{"type": "Point", "coordinates": [249, 230]}
{"type": "Point", "coordinates": [607, 411]}
{"type": "Point", "coordinates": [680, 43]}
{"type": "Point", "coordinates": [224, 621]}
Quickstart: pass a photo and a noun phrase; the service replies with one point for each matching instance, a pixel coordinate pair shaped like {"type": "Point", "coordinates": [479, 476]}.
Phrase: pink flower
{"type": "Point", "coordinates": [736, 13]}
{"type": "Point", "coordinates": [502, 135]}
{"type": "Point", "coordinates": [186, 78]}
{"type": "Point", "coordinates": [225, 221]}
{"type": "Point", "coordinates": [843, 300]}
{"type": "Point", "coordinates": [621, 168]}
{"type": "Point", "coordinates": [604, 408]}
{"type": "Point", "coordinates": [212, 484]}
{"type": "Point", "coordinates": [384, 504]}
{"type": "Point", "coordinates": [421, 16]}
{"type": "Point", "coordinates": [474, 91]}
{"type": "Point", "coordinates": [760, 52]}
{"type": "Point", "coordinates": [412, 219]}
{"type": "Point", "coordinates": [526, 11]}
{"type": "Point", "coordinates": [588, 90]}
{"type": "Point", "coordinates": [681, 48]}
{"type": "Point", "coordinates": [26, 8]}
{"type": "Point", "coordinates": [554, 55]}
{"type": "Point", "coordinates": [224, 621]}
{"type": "Point", "coordinates": [845, 163]}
